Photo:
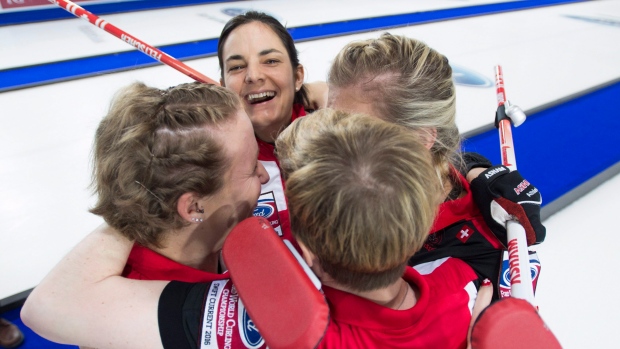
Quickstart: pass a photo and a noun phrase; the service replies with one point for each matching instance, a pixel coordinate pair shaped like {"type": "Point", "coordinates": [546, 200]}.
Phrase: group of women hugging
{"type": "Point", "coordinates": [365, 174]}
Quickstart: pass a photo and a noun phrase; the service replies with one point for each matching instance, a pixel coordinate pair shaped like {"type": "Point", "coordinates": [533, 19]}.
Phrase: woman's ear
{"type": "Point", "coordinates": [299, 77]}
{"type": "Point", "coordinates": [189, 207]}
{"type": "Point", "coordinates": [429, 136]}
{"type": "Point", "coordinates": [314, 264]}
{"type": "Point", "coordinates": [308, 256]}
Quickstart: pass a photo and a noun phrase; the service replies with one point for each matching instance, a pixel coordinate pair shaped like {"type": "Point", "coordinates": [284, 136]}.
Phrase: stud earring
{"type": "Point", "coordinates": [200, 210]}
{"type": "Point", "coordinates": [197, 220]}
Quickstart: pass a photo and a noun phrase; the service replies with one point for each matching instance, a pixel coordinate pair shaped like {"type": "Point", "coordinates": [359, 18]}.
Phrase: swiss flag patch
{"type": "Point", "coordinates": [464, 233]}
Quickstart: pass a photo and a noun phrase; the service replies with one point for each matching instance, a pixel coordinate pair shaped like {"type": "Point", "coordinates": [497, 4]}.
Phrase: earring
{"type": "Point", "coordinates": [200, 210]}
{"type": "Point", "coordinates": [197, 220]}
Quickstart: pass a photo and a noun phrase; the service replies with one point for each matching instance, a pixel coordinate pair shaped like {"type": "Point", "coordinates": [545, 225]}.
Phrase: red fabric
{"type": "Point", "coordinates": [146, 264]}
{"type": "Point", "coordinates": [440, 318]}
{"type": "Point", "coordinates": [463, 209]}
{"type": "Point", "coordinates": [306, 314]}
{"type": "Point", "coordinates": [512, 324]}
{"type": "Point", "coordinates": [517, 210]}
{"type": "Point", "coordinates": [273, 191]}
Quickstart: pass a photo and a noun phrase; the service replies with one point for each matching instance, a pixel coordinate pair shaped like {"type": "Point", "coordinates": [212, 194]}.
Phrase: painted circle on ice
{"type": "Point", "coordinates": [468, 77]}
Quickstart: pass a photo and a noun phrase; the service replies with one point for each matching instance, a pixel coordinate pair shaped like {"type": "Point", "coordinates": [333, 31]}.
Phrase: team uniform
{"type": "Point", "coordinates": [146, 264]}
{"type": "Point", "coordinates": [440, 318]}
{"type": "Point", "coordinates": [226, 321]}
{"type": "Point", "coordinates": [225, 317]}
{"type": "Point", "coordinates": [460, 231]}
{"type": "Point", "coordinates": [272, 204]}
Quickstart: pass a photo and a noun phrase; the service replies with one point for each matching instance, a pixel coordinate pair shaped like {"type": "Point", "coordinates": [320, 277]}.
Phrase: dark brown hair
{"type": "Point", "coordinates": [301, 96]}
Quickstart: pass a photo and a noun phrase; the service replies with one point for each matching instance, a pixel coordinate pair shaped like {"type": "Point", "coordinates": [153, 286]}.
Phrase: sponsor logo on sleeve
{"type": "Point", "coordinates": [504, 279]}
{"type": "Point", "coordinates": [267, 208]}
{"type": "Point", "coordinates": [433, 240]}
{"type": "Point", "coordinates": [210, 319]}
{"type": "Point", "coordinates": [226, 324]}
{"type": "Point", "coordinates": [250, 336]}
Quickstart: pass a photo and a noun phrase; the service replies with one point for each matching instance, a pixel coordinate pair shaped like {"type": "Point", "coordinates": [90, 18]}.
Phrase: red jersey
{"type": "Point", "coordinates": [272, 204]}
{"type": "Point", "coordinates": [225, 322]}
{"type": "Point", "coordinates": [439, 319]}
{"type": "Point", "coordinates": [460, 231]}
{"type": "Point", "coordinates": [146, 264]}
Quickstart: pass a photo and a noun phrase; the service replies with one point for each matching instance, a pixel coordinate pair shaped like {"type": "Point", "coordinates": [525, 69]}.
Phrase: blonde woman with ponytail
{"type": "Point", "coordinates": [406, 82]}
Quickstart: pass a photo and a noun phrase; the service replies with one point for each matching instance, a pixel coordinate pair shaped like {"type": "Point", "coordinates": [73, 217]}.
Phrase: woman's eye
{"type": "Point", "coordinates": [235, 67]}
{"type": "Point", "coordinates": [272, 61]}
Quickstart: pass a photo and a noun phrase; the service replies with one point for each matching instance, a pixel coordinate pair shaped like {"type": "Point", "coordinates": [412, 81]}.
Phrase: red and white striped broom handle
{"type": "Point", "coordinates": [133, 41]}
{"type": "Point", "coordinates": [520, 275]}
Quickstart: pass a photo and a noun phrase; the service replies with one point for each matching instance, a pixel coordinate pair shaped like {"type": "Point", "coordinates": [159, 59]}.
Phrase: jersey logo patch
{"type": "Point", "coordinates": [249, 333]}
{"type": "Point", "coordinates": [268, 209]}
{"type": "Point", "coordinates": [465, 233]}
{"type": "Point", "coordinates": [433, 241]}
{"type": "Point", "coordinates": [504, 277]}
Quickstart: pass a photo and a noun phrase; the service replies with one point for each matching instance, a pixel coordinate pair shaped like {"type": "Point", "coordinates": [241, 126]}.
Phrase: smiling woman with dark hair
{"type": "Point", "coordinates": [259, 62]}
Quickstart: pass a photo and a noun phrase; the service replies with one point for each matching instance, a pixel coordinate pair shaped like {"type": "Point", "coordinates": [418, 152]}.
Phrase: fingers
{"type": "Point", "coordinates": [485, 294]}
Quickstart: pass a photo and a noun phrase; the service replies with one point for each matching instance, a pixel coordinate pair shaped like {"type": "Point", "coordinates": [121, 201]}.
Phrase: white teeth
{"type": "Point", "coordinates": [260, 95]}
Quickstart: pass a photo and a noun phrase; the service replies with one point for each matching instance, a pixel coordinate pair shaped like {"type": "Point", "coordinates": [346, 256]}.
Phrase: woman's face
{"type": "Point", "coordinates": [244, 176]}
{"type": "Point", "coordinates": [258, 68]}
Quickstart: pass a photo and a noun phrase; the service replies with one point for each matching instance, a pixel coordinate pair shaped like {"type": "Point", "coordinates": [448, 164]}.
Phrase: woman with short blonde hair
{"type": "Point", "coordinates": [361, 193]}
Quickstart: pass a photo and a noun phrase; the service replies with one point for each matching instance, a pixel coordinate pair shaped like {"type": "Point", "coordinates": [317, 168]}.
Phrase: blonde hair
{"type": "Point", "coordinates": [362, 194]}
{"type": "Point", "coordinates": [409, 83]}
{"type": "Point", "coordinates": [151, 148]}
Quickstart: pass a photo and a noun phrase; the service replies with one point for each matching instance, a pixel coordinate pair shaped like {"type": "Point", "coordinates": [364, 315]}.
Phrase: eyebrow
{"type": "Point", "coordinates": [261, 53]}
{"type": "Point", "coordinates": [268, 51]}
{"type": "Point", "coordinates": [234, 58]}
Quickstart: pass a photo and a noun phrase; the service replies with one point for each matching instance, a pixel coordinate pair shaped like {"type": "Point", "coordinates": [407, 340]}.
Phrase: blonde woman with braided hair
{"type": "Point", "coordinates": [168, 177]}
{"type": "Point", "coordinates": [406, 82]}
{"type": "Point", "coordinates": [175, 170]}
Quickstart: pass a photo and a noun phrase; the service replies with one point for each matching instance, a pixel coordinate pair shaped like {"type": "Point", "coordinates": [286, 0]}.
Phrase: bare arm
{"type": "Point", "coordinates": [474, 172]}
{"type": "Point", "coordinates": [84, 300]}
{"type": "Point", "coordinates": [317, 94]}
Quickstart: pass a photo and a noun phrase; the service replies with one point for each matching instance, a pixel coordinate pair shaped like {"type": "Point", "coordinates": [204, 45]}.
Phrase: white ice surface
{"type": "Point", "coordinates": [576, 289]}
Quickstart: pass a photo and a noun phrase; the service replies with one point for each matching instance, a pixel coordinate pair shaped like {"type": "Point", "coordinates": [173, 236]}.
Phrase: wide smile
{"type": "Point", "coordinates": [255, 98]}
